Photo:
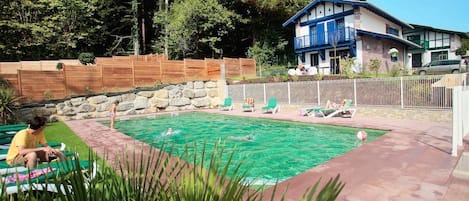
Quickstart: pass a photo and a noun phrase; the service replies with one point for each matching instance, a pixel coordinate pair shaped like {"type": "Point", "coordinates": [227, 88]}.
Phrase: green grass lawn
{"type": "Point", "coordinates": [60, 132]}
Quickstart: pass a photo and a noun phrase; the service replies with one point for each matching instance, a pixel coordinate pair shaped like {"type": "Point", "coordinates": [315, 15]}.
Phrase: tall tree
{"type": "Point", "coordinates": [196, 27]}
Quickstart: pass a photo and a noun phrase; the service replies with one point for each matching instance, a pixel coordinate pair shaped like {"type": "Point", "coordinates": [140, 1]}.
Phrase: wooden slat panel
{"type": "Point", "coordinates": [117, 77]}
{"type": "Point", "coordinates": [195, 70]}
{"type": "Point", "coordinates": [147, 73]}
{"type": "Point", "coordinates": [9, 67]}
{"type": "Point", "coordinates": [213, 68]}
{"type": "Point", "coordinates": [83, 79]}
{"type": "Point", "coordinates": [248, 67]}
{"type": "Point", "coordinates": [232, 67]}
{"type": "Point", "coordinates": [172, 71]}
{"type": "Point", "coordinates": [37, 84]}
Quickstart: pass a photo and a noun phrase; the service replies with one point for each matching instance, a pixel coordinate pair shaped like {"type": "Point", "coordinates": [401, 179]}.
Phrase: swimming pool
{"type": "Point", "coordinates": [278, 150]}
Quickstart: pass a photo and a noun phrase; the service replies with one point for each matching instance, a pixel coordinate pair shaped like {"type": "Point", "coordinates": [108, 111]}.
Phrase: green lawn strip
{"type": "Point", "coordinates": [60, 132]}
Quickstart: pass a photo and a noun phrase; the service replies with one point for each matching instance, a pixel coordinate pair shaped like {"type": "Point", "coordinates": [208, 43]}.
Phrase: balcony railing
{"type": "Point", "coordinates": [332, 38]}
{"type": "Point", "coordinates": [424, 44]}
{"type": "Point", "coordinates": [432, 44]}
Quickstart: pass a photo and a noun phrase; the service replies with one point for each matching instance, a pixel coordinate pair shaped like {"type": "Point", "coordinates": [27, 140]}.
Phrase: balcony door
{"type": "Point", "coordinates": [320, 34]}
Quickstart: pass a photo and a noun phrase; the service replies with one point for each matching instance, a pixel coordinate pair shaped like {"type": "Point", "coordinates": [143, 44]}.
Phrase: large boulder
{"type": "Point", "coordinates": [188, 93]}
{"type": "Point", "coordinates": [77, 101]}
{"type": "Point", "coordinates": [200, 93]}
{"type": "Point", "coordinates": [85, 108]}
{"type": "Point", "coordinates": [211, 84]}
{"type": "Point", "coordinates": [146, 94]}
{"type": "Point", "coordinates": [97, 99]}
{"type": "Point", "coordinates": [159, 103]}
{"type": "Point", "coordinates": [128, 97]}
{"type": "Point", "coordinates": [179, 102]}
{"type": "Point", "coordinates": [140, 103]}
{"type": "Point", "coordinates": [162, 93]}
{"type": "Point", "coordinates": [198, 85]}
{"type": "Point", "coordinates": [201, 102]}
{"type": "Point", "coordinates": [213, 93]}
{"type": "Point", "coordinates": [124, 106]}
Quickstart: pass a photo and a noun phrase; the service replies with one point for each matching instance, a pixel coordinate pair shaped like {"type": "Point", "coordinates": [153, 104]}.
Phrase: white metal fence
{"type": "Point", "coordinates": [460, 116]}
{"type": "Point", "coordinates": [433, 92]}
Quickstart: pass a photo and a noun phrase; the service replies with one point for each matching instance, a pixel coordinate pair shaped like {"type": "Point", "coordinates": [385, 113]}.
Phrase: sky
{"type": "Point", "coordinates": [444, 14]}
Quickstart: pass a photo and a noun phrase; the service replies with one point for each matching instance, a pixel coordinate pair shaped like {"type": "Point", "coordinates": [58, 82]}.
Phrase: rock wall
{"type": "Point", "coordinates": [192, 95]}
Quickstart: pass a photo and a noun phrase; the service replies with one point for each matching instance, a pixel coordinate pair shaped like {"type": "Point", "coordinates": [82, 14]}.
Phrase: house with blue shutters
{"type": "Point", "coordinates": [326, 30]}
{"type": "Point", "coordinates": [435, 44]}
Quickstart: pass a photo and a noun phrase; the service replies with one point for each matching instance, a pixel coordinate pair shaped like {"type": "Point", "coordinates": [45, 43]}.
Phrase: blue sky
{"type": "Point", "coordinates": [448, 14]}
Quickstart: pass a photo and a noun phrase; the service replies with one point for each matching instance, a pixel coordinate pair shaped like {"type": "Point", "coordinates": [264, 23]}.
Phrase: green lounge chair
{"type": "Point", "coordinates": [7, 169]}
{"type": "Point", "coordinates": [46, 181]}
{"type": "Point", "coordinates": [227, 105]}
{"type": "Point", "coordinates": [248, 105]}
{"type": "Point", "coordinates": [271, 106]}
{"type": "Point", "coordinates": [12, 128]}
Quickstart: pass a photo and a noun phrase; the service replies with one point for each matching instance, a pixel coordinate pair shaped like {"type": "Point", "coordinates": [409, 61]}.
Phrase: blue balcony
{"type": "Point", "coordinates": [332, 38]}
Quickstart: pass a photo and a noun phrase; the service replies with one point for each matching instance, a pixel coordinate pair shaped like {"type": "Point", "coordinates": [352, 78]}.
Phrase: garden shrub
{"type": "Point", "coordinates": [87, 58]}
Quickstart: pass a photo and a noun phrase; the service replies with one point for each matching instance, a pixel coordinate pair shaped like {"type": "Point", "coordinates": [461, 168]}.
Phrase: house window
{"type": "Point", "coordinates": [392, 30]}
{"type": "Point", "coordinates": [414, 38]}
{"type": "Point", "coordinates": [314, 60]}
{"type": "Point", "coordinates": [440, 55]}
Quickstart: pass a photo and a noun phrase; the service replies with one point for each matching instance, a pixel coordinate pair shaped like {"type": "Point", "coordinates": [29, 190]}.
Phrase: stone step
{"type": "Point", "coordinates": [462, 168]}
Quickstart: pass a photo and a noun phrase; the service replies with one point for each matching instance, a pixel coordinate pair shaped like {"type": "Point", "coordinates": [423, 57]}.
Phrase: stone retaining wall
{"type": "Point", "coordinates": [192, 95]}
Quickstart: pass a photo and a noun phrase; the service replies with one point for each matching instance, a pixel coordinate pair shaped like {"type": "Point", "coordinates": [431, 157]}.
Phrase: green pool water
{"type": "Point", "coordinates": [279, 149]}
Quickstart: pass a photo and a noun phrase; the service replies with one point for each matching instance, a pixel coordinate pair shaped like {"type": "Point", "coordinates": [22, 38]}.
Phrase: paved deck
{"type": "Point", "coordinates": [411, 162]}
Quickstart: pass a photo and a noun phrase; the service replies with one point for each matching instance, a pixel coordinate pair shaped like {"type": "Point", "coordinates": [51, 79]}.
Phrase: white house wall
{"type": "Point", "coordinates": [375, 23]}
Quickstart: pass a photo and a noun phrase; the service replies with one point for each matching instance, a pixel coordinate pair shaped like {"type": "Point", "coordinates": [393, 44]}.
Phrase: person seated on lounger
{"type": "Point", "coordinates": [242, 138]}
{"type": "Point", "coordinates": [334, 106]}
{"type": "Point", "coordinates": [24, 148]}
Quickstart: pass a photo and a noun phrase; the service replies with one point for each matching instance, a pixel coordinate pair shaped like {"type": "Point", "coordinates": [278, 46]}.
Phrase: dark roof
{"type": "Point", "coordinates": [461, 34]}
{"type": "Point", "coordinates": [354, 3]}
{"type": "Point", "coordinates": [390, 37]}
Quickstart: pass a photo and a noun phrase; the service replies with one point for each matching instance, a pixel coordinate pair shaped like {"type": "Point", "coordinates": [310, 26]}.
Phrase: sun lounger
{"type": "Point", "coordinates": [45, 177]}
{"type": "Point", "coordinates": [344, 111]}
{"type": "Point", "coordinates": [248, 105]}
{"type": "Point", "coordinates": [227, 105]}
{"type": "Point", "coordinates": [271, 106]}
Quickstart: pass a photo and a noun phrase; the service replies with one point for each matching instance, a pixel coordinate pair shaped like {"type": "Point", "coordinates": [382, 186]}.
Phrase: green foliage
{"type": "Point", "coordinates": [374, 66]}
{"type": "Point", "coordinates": [48, 95]}
{"type": "Point", "coordinates": [395, 70]}
{"type": "Point", "coordinates": [264, 52]}
{"type": "Point", "coordinates": [464, 47]}
{"type": "Point", "coordinates": [8, 105]}
{"type": "Point", "coordinates": [165, 176]}
{"type": "Point", "coordinates": [59, 66]}
{"type": "Point", "coordinates": [87, 58]}
{"type": "Point", "coordinates": [194, 27]}
{"type": "Point", "coordinates": [346, 65]}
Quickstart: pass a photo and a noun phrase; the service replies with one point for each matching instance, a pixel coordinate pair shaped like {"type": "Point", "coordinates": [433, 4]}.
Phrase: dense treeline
{"type": "Point", "coordinates": [52, 29]}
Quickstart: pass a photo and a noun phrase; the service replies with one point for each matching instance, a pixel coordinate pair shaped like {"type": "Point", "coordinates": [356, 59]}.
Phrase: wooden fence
{"type": "Point", "coordinates": [122, 73]}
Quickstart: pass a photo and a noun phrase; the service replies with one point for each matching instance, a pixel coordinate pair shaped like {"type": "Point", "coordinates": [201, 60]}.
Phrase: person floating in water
{"type": "Point", "coordinates": [243, 138]}
{"type": "Point", "coordinates": [169, 132]}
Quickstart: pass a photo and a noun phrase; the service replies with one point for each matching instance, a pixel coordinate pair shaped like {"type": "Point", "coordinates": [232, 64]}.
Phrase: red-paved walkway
{"type": "Point", "coordinates": [411, 162]}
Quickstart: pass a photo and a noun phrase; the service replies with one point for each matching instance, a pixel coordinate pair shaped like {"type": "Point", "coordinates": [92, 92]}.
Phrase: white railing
{"type": "Point", "coordinates": [434, 92]}
{"type": "Point", "coordinates": [460, 117]}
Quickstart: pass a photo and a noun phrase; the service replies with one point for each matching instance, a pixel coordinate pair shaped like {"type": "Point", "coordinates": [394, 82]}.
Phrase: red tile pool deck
{"type": "Point", "coordinates": [411, 162]}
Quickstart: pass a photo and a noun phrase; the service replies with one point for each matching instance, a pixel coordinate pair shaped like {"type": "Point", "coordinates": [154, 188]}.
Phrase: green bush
{"type": "Point", "coordinates": [8, 106]}
{"type": "Point", "coordinates": [86, 58]}
{"type": "Point", "coordinates": [374, 66]}
{"type": "Point", "coordinates": [60, 66]}
{"type": "Point", "coordinates": [395, 70]}
{"type": "Point", "coordinates": [165, 176]}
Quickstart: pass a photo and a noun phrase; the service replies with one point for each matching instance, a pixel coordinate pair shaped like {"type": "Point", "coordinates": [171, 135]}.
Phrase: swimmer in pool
{"type": "Point", "coordinates": [243, 138]}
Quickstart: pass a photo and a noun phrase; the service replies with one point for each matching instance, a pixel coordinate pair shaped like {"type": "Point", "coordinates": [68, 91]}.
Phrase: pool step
{"type": "Point", "coordinates": [462, 168]}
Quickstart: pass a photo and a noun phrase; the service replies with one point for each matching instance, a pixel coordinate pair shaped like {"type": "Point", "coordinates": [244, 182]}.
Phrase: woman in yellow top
{"type": "Point", "coordinates": [24, 148]}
